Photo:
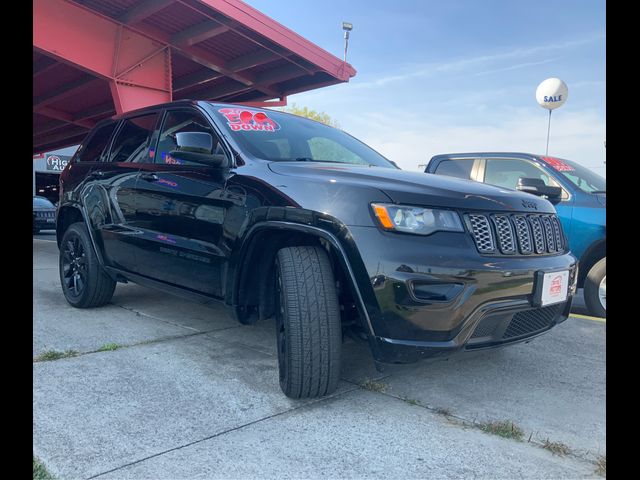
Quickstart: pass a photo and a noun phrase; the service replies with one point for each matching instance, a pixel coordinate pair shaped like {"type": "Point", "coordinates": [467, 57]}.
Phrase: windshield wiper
{"type": "Point", "coordinates": [598, 191]}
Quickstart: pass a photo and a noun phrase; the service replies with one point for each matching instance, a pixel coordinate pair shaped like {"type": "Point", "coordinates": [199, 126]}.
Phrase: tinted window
{"type": "Point", "coordinates": [132, 140]}
{"type": "Point", "coordinates": [278, 136]}
{"type": "Point", "coordinates": [40, 202]}
{"type": "Point", "coordinates": [460, 168]}
{"type": "Point", "coordinates": [505, 173]}
{"type": "Point", "coordinates": [92, 150]}
{"type": "Point", "coordinates": [178, 121]}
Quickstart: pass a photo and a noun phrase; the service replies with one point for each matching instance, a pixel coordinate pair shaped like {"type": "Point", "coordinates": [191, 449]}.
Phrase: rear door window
{"type": "Point", "coordinates": [95, 147]}
{"type": "Point", "coordinates": [132, 140]}
{"type": "Point", "coordinates": [459, 168]}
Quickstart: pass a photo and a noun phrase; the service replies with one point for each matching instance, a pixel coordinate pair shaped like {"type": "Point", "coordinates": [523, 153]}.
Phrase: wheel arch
{"type": "Point", "coordinates": [593, 254]}
{"type": "Point", "coordinates": [70, 214]}
{"type": "Point", "coordinates": [251, 292]}
{"type": "Point", "coordinates": [67, 215]}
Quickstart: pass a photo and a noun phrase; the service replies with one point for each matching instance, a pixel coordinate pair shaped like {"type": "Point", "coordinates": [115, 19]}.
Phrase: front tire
{"type": "Point", "coordinates": [85, 284]}
{"type": "Point", "coordinates": [308, 324]}
{"type": "Point", "coordinates": [595, 289]}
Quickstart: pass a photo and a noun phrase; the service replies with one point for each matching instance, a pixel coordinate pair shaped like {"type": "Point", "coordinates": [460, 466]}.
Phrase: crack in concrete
{"type": "Point", "coordinates": [129, 309]}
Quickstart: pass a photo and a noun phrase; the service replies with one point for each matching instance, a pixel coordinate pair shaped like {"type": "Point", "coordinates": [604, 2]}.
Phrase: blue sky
{"type": "Point", "coordinates": [445, 76]}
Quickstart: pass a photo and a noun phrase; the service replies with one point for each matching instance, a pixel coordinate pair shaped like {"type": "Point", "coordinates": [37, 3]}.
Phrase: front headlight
{"type": "Point", "coordinates": [423, 221]}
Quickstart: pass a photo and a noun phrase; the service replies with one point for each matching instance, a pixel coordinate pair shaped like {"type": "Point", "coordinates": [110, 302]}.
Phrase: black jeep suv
{"type": "Point", "coordinates": [273, 214]}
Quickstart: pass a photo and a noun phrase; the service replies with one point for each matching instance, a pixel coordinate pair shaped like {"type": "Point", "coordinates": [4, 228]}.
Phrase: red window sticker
{"type": "Point", "coordinates": [556, 286]}
{"type": "Point", "coordinates": [240, 119]}
{"type": "Point", "coordinates": [558, 164]}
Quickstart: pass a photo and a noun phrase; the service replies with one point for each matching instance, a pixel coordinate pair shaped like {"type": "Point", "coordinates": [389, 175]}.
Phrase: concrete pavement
{"type": "Point", "coordinates": [191, 394]}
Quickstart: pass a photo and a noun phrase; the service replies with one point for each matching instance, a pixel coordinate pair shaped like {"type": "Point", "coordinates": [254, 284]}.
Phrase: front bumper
{"type": "Point", "coordinates": [44, 220]}
{"type": "Point", "coordinates": [43, 225]}
{"type": "Point", "coordinates": [436, 295]}
{"type": "Point", "coordinates": [489, 328]}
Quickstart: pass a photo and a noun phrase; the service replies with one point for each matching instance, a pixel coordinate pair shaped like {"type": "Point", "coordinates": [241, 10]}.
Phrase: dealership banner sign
{"type": "Point", "coordinates": [57, 162]}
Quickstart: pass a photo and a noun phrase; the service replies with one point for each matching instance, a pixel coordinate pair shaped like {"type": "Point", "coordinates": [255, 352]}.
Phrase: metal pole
{"type": "Point", "coordinates": [548, 129]}
{"type": "Point", "coordinates": [346, 45]}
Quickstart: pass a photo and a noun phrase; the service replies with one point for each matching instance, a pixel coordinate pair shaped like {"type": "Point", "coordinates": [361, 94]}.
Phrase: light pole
{"type": "Point", "coordinates": [347, 27]}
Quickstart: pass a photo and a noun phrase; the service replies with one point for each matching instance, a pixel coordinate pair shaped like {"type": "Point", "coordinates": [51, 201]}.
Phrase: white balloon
{"type": "Point", "coordinates": [552, 93]}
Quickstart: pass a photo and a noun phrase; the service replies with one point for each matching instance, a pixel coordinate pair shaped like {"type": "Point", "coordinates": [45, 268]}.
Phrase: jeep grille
{"type": "Point", "coordinates": [513, 234]}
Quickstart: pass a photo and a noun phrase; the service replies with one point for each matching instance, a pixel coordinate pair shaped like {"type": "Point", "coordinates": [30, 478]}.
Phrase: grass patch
{"type": "Point", "coordinates": [39, 471]}
{"type": "Point", "coordinates": [411, 401]}
{"type": "Point", "coordinates": [54, 355]}
{"type": "Point", "coordinates": [601, 465]}
{"type": "Point", "coordinates": [504, 428]}
{"type": "Point", "coordinates": [443, 411]}
{"type": "Point", "coordinates": [108, 347]}
{"type": "Point", "coordinates": [374, 386]}
{"type": "Point", "coordinates": [557, 448]}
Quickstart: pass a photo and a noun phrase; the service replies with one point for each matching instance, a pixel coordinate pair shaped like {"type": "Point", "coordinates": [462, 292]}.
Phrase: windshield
{"type": "Point", "coordinates": [278, 136]}
{"type": "Point", "coordinates": [583, 178]}
{"type": "Point", "coordinates": [41, 202]}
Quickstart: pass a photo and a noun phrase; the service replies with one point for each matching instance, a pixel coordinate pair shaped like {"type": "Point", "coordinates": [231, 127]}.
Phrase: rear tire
{"type": "Point", "coordinates": [308, 324]}
{"type": "Point", "coordinates": [85, 284]}
{"type": "Point", "coordinates": [596, 278]}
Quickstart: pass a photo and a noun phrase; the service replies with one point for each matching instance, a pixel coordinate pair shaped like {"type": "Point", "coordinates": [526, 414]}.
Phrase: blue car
{"type": "Point", "coordinates": [578, 194]}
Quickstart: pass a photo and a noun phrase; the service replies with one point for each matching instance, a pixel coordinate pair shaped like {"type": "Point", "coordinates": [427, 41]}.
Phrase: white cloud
{"type": "Point", "coordinates": [516, 66]}
{"type": "Point", "coordinates": [410, 141]}
{"type": "Point", "coordinates": [459, 65]}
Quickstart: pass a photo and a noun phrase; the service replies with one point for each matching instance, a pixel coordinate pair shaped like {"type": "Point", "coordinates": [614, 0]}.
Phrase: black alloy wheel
{"type": "Point", "coordinates": [74, 265]}
{"type": "Point", "coordinates": [280, 329]}
{"type": "Point", "coordinates": [84, 282]}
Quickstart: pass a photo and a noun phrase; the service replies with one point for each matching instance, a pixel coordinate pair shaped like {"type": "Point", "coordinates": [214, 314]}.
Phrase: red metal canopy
{"type": "Point", "coordinates": [95, 58]}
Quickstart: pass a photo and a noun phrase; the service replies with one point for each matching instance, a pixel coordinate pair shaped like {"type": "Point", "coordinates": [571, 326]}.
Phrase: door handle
{"type": "Point", "coordinates": [149, 177]}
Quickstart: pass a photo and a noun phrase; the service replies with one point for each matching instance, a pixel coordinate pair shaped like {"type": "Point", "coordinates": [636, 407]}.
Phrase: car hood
{"type": "Point", "coordinates": [416, 188]}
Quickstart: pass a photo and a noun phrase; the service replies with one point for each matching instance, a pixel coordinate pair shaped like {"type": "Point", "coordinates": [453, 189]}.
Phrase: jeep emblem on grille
{"type": "Point", "coordinates": [527, 204]}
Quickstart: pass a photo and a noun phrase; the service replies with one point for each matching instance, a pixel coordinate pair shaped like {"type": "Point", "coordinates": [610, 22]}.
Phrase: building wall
{"type": "Point", "coordinates": [40, 164]}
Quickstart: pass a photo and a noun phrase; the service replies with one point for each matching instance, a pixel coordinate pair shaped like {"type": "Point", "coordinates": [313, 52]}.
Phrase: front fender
{"type": "Point", "coordinates": [283, 219]}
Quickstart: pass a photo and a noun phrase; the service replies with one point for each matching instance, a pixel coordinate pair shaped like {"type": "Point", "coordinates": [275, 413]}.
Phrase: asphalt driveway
{"type": "Point", "coordinates": [156, 387]}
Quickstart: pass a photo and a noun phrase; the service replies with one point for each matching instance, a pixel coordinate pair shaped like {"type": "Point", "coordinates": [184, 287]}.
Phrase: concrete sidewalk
{"type": "Point", "coordinates": [191, 394]}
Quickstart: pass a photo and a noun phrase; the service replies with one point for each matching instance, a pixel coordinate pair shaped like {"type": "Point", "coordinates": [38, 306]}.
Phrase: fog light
{"type": "Point", "coordinates": [436, 292]}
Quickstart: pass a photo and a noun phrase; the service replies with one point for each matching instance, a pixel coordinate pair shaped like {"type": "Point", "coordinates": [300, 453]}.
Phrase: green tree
{"type": "Point", "coordinates": [324, 148]}
{"type": "Point", "coordinates": [321, 117]}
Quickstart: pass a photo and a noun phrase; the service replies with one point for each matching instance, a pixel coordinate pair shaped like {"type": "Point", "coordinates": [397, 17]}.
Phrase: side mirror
{"type": "Point", "coordinates": [536, 186]}
{"type": "Point", "coordinates": [196, 147]}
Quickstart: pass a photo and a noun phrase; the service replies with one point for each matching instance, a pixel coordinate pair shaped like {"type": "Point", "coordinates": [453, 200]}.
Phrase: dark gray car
{"type": "Point", "coordinates": [44, 214]}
